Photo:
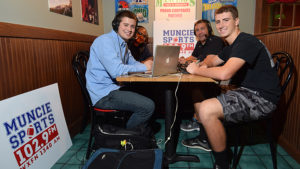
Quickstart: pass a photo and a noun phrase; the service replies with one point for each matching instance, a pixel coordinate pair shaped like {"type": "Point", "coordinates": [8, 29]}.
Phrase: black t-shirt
{"type": "Point", "coordinates": [257, 73]}
{"type": "Point", "coordinates": [141, 52]}
{"type": "Point", "coordinates": [213, 45]}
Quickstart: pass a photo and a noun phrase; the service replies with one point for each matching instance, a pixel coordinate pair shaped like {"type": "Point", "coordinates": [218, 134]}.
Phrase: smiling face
{"type": "Point", "coordinates": [227, 26]}
{"type": "Point", "coordinates": [141, 36]}
{"type": "Point", "coordinates": [201, 32]}
{"type": "Point", "coordinates": [126, 28]}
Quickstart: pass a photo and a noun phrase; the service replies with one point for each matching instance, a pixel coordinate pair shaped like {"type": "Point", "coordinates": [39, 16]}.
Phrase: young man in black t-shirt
{"type": "Point", "coordinates": [250, 67]}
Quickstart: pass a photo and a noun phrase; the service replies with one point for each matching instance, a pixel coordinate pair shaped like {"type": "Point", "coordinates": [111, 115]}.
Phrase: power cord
{"type": "Point", "coordinates": [176, 108]}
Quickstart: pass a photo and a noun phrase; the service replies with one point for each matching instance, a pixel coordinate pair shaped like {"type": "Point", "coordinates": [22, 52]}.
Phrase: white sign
{"type": "Point", "coordinates": [33, 130]}
{"type": "Point", "coordinates": [177, 33]}
{"type": "Point", "coordinates": [175, 9]}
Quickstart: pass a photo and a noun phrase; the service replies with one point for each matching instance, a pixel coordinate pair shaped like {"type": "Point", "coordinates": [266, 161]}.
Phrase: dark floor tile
{"type": "Point", "coordinates": [181, 149]}
{"type": "Point", "coordinates": [247, 150]}
{"type": "Point", "coordinates": [67, 156]}
{"type": "Point", "coordinates": [281, 163]}
{"type": "Point", "coordinates": [261, 149]}
{"type": "Point", "coordinates": [57, 166]}
{"type": "Point", "coordinates": [78, 143]}
{"type": "Point", "coordinates": [292, 162]}
{"type": "Point", "coordinates": [251, 162]}
{"type": "Point", "coordinates": [78, 157]}
{"type": "Point", "coordinates": [180, 164]}
{"type": "Point", "coordinates": [205, 161]}
{"type": "Point", "coordinates": [281, 151]}
{"type": "Point", "coordinates": [72, 166]}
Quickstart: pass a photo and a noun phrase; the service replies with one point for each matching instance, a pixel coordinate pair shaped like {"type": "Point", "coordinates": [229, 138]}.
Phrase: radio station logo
{"type": "Point", "coordinates": [31, 134]}
{"type": "Point", "coordinates": [183, 38]}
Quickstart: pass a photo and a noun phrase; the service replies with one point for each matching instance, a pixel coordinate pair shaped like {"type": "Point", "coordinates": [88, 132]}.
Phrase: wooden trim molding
{"type": "Point", "coordinates": [22, 31]}
{"type": "Point", "coordinates": [279, 31]}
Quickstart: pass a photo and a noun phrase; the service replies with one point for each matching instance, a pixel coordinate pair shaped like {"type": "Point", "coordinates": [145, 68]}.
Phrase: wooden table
{"type": "Point", "coordinates": [168, 78]}
{"type": "Point", "coordinates": [170, 155]}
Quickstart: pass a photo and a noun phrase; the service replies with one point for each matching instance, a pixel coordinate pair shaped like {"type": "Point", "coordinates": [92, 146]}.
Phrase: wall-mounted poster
{"type": "Point", "coordinates": [176, 33]}
{"type": "Point", "coordinates": [89, 10]}
{"type": "Point", "coordinates": [139, 7]}
{"type": "Point", "coordinates": [175, 9]}
{"type": "Point", "coordinates": [63, 7]}
{"type": "Point", "coordinates": [209, 7]}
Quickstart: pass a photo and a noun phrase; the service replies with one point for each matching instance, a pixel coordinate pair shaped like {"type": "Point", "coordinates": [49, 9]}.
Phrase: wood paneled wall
{"type": "Point", "coordinates": [287, 123]}
{"type": "Point", "coordinates": [32, 57]}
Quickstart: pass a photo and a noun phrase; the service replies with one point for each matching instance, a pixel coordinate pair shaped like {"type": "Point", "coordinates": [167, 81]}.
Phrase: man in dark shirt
{"type": "Point", "coordinates": [207, 44]}
{"type": "Point", "coordinates": [250, 66]}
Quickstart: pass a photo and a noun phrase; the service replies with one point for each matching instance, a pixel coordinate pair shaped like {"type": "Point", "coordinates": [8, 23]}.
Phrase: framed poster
{"type": "Point", "coordinates": [89, 10]}
{"type": "Point", "coordinates": [63, 7]}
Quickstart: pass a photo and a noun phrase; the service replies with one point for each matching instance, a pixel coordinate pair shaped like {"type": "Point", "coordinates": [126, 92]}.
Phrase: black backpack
{"type": "Point", "coordinates": [119, 159]}
{"type": "Point", "coordinates": [110, 136]}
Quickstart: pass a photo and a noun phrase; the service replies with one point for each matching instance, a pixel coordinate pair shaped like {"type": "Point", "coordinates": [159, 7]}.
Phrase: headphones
{"type": "Point", "coordinates": [208, 25]}
{"type": "Point", "coordinates": [124, 13]}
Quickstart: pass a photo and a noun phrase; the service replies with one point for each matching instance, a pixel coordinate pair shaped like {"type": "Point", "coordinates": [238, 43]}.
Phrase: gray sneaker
{"type": "Point", "coordinates": [190, 126]}
{"type": "Point", "coordinates": [196, 143]}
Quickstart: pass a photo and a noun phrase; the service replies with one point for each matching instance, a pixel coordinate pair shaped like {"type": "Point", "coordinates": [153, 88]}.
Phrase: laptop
{"type": "Point", "coordinates": [165, 61]}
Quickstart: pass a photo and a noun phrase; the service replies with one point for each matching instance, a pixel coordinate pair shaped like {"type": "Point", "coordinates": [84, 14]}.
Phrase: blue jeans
{"type": "Point", "coordinates": [141, 106]}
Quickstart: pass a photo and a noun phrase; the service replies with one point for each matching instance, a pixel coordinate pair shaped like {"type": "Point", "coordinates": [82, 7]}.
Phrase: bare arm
{"type": "Point", "coordinates": [211, 60]}
{"type": "Point", "coordinates": [224, 72]}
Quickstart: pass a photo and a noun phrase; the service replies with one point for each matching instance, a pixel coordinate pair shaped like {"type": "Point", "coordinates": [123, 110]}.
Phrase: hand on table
{"type": "Point", "coordinates": [148, 64]}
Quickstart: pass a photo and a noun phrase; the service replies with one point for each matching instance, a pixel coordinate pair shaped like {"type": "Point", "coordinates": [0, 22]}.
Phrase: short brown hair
{"type": "Point", "coordinates": [120, 15]}
{"type": "Point", "coordinates": [228, 8]}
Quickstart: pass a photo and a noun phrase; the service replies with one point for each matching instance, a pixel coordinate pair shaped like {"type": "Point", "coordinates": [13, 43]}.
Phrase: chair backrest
{"type": "Point", "coordinates": [284, 65]}
{"type": "Point", "coordinates": [79, 63]}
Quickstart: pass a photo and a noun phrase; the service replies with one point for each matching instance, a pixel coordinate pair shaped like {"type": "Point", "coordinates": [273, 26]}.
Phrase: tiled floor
{"type": "Point", "coordinates": [253, 157]}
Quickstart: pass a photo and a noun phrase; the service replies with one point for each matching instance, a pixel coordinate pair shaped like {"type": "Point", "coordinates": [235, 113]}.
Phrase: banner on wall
{"type": "Point", "coordinates": [209, 7]}
{"type": "Point", "coordinates": [139, 7]}
{"type": "Point", "coordinates": [175, 9]}
{"type": "Point", "coordinates": [178, 33]}
{"type": "Point", "coordinates": [33, 130]}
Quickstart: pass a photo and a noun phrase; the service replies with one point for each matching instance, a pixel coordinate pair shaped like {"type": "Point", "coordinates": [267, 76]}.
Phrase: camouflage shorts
{"type": "Point", "coordinates": [242, 105]}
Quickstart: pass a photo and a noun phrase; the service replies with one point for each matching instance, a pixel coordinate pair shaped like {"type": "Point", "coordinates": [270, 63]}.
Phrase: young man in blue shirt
{"type": "Point", "coordinates": [110, 58]}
